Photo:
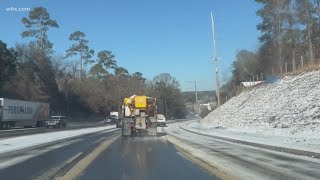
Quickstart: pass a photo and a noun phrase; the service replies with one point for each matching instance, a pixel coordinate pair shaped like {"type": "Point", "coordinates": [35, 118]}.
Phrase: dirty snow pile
{"type": "Point", "coordinates": [288, 107]}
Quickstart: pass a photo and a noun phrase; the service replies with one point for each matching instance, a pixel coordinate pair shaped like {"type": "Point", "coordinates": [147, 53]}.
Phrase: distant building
{"type": "Point", "coordinates": [210, 106]}
{"type": "Point", "coordinates": [251, 84]}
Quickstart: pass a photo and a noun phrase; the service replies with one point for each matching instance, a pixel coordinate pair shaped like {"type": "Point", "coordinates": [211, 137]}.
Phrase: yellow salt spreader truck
{"type": "Point", "coordinates": [139, 116]}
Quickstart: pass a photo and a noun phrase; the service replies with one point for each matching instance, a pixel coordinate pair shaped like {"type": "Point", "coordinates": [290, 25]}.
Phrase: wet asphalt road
{"type": "Point", "coordinates": [129, 158]}
{"type": "Point", "coordinates": [143, 158]}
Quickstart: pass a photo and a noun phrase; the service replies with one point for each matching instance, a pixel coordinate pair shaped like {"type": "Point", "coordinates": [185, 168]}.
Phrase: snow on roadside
{"type": "Point", "coordinates": [300, 143]}
{"type": "Point", "coordinates": [290, 108]}
{"type": "Point", "coordinates": [17, 143]}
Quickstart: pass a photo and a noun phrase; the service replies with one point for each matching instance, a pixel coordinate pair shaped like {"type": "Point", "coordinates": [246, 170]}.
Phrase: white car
{"type": "Point", "coordinates": [57, 122]}
{"type": "Point", "coordinates": [161, 120]}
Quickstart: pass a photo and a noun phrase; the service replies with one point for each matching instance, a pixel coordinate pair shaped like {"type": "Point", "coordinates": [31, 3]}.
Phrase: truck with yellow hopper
{"type": "Point", "coordinates": [139, 116]}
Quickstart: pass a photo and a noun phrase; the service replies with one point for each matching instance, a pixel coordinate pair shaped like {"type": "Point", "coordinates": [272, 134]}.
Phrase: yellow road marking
{"type": "Point", "coordinates": [77, 170]}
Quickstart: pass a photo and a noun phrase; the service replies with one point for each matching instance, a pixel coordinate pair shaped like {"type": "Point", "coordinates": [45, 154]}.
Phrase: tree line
{"type": "Point", "coordinates": [290, 40]}
{"type": "Point", "coordinates": [79, 82]}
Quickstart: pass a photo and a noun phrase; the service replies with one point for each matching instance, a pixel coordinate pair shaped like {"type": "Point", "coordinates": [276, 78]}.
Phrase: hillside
{"type": "Point", "coordinates": [290, 106]}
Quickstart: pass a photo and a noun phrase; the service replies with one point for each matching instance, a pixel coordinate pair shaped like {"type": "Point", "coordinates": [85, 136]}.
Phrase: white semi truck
{"type": "Point", "coordinates": [17, 113]}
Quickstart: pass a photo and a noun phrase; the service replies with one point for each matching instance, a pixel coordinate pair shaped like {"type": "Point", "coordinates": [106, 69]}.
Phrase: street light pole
{"type": "Point", "coordinates": [216, 62]}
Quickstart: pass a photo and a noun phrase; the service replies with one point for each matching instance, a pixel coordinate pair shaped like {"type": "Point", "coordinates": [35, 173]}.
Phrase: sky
{"type": "Point", "coordinates": [150, 36]}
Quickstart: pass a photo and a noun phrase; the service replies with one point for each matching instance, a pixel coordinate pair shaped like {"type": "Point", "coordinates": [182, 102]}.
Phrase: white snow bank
{"type": "Point", "coordinates": [17, 143]}
{"type": "Point", "coordinates": [290, 107]}
{"type": "Point", "coordinates": [300, 143]}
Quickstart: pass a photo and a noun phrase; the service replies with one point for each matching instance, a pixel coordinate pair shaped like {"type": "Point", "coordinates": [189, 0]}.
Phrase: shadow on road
{"type": "Point", "coordinates": [160, 134]}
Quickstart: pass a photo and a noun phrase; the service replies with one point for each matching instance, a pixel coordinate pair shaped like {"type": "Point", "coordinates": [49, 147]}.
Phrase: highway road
{"type": "Point", "coordinates": [173, 154]}
{"type": "Point", "coordinates": [101, 155]}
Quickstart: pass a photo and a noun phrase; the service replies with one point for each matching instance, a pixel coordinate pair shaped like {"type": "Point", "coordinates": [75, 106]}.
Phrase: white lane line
{"type": "Point", "coordinates": [15, 160]}
{"type": "Point", "coordinates": [33, 153]}
{"type": "Point", "coordinates": [16, 143]}
{"type": "Point", "coordinates": [63, 144]}
{"type": "Point", "coordinates": [49, 174]}
{"type": "Point", "coordinates": [4, 163]}
{"type": "Point", "coordinates": [99, 140]}
{"type": "Point", "coordinates": [72, 158]}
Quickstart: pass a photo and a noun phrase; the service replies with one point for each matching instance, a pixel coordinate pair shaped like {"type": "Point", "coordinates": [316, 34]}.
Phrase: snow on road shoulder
{"type": "Point", "coordinates": [292, 142]}
{"type": "Point", "coordinates": [16, 143]}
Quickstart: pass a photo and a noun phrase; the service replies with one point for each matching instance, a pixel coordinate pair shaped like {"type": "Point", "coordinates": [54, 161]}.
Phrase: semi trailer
{"type": "Point", "coordinates": [18, 113]}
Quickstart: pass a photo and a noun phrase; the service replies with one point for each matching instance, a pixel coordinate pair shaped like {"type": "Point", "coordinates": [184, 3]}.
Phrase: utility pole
{"type": "Point", "coordinates": [216, 62]}
{"type": "Point", "coordinates": [166, 107]}
{"type": "Point", "coordinates": [195, 89]}
{"type": "Point", "coordinates": [196, 93]}
{"type": "Point", "coordinates": [67, 93]}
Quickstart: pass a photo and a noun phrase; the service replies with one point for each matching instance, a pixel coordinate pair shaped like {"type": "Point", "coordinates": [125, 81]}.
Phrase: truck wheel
{"type": "Point", "coordinates": [3, 126]}
{"type": "Point", "coordinates": [13, 124]}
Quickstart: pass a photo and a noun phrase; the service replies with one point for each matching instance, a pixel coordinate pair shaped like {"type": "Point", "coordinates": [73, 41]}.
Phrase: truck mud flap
{"type": "Point", "coordinates": [152, 130]}
{"type": "Point", "coordinates": [126, 129]}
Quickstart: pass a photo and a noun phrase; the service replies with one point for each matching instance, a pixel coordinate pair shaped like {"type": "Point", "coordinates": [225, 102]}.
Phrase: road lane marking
{"type": "Point", "coordinates": [64, 144]}
{"type": "Point", "coordinates": [73, 158]}
{"type": "Point", "coordinates": [79, 168]}
{"type": "Point", "coordinates": [50, 174]}
{"type": "Point", "coordinates": [99, 140]}
{"type": "Point", "coordinates": [15, 160]}
{"type": "Point", "coordinates": [4, 163]}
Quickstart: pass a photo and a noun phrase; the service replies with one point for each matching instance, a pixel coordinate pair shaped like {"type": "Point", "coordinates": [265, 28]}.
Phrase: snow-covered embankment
{"type": "Point", "coordinates": [287, 109]}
